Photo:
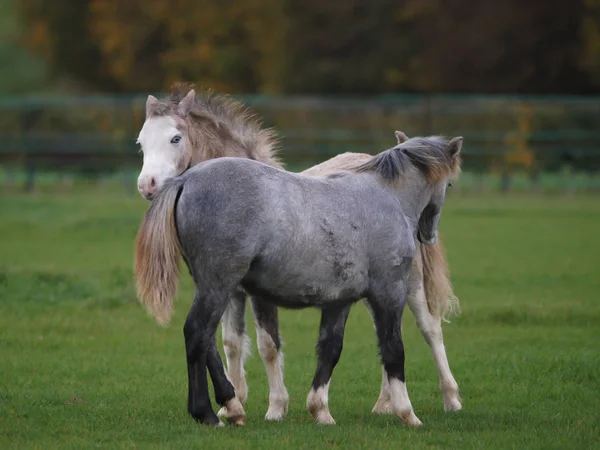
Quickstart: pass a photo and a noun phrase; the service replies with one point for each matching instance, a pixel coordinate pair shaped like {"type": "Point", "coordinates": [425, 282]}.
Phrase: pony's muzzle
{"type": "Point", "coordinates": [147, 187]}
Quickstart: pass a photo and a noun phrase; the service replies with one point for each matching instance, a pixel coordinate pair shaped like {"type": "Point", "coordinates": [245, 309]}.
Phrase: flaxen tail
{"type": "Point", "coordinates": [157, 254]}
{"type": "Point", "coordinates": [441, 300]}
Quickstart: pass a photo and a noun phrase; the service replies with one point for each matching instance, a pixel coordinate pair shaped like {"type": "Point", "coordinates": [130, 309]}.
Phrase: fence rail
{"type": "Point", "coordinates": [503, 135]}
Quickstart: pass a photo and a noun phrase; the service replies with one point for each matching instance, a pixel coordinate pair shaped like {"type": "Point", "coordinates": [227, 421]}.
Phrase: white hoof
{"type": "Point", "coordinates": [452, 403]}
{"type": "Point", "coordinates": [324, 418]}
{"type": "Point", "coordinates": [383, 406]}
{"type": "Point", "coordinates": [234, 412]}
{"type": "Point", "coordinates": [410, 419]}
{"type": "Point", "coordinates": [275, 414]}
{"type": "Point", "coordinates": [278, 406]}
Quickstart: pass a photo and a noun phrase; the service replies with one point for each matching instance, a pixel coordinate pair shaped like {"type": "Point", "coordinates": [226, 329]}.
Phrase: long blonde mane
{"type": "Point", "coordinates": [219, 126]}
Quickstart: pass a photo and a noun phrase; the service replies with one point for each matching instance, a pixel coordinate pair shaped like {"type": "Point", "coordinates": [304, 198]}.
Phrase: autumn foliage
{"type": "Point", "coordinates": [321, 46]}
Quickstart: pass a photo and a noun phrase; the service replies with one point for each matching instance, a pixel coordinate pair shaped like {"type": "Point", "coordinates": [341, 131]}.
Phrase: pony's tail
{"type": "Point", "coordinates": [441, 300]}
{"type": "Point", "coordinates": [157, 254]}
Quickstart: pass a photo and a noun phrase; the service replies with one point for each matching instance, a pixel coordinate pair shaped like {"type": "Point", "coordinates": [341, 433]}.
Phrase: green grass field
{"type": "Point", "coordinates": [82, 365]}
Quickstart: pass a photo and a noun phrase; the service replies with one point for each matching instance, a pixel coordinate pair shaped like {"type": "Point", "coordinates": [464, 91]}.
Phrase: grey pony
{"type": "Point", "coordinates": [295, 242]}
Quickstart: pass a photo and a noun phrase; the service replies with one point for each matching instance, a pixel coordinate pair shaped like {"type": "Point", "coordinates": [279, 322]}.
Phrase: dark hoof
{"type": "Point", "coordinates": [206, 418]}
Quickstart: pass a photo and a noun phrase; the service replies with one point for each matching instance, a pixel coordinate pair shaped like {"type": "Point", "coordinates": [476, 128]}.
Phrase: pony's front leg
{"type": "Point", "coordinates": [431, 328]}
{"type": "Point", "coordinates": [329, 349]}
{"type": "Point", "coordinates": [236, 343]}
{"type": "Point", "coordinates": [269, 347]}
{"type": "Point", "coordinates": [387, 307]}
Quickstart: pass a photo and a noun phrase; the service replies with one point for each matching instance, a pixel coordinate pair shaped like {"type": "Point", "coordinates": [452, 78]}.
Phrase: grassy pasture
{"type": "Point", "coordinates": [82, 365]}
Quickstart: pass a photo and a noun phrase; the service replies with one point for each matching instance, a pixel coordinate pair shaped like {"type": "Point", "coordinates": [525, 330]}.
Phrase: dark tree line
{"type": "Point", "coordinates": [321, 46]}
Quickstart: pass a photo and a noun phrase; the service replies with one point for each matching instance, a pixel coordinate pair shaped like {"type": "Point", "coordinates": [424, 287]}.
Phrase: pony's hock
{"type": "Point", "coordinates": [267, 256]}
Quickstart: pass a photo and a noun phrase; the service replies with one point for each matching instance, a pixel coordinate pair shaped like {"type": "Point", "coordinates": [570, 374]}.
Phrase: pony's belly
{"type": "Point", "coordinates": [300, 292]}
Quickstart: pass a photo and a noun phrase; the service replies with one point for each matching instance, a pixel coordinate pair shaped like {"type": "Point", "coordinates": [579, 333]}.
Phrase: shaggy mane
{"type": "Point", "coordinates": [430, 155]}
{"type": "Point", "coordinates": [228, 117]}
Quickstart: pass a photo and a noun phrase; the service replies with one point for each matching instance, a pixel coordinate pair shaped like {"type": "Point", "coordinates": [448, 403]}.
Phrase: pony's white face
{"type": "Point", "coordinates": [166, 153]}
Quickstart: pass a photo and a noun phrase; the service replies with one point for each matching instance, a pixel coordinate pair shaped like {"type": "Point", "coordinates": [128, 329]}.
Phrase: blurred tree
{"type": "Point", "coordinates": [27, 72]}
{"type": "Point", "coordinates": [232, 45]}
{"type": "Point", "coordinates": [590, 34]}
{"type": "Point", "coordinates": [143, 46]}
{"type": "Point", "coordinates": [507, 46]}
{"type": "Point", "coordinates": [344, 46]}
{"type": "Point", "coordinates": [321, 46]}
{"type": "Point", "coordinates": [58, 31]}
{"type": "Point", "coordinates": [511, 46]}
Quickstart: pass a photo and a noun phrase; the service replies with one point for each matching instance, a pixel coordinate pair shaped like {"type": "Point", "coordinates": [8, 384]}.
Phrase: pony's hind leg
{"type": "Point", "coordinates": [269, 347]}
{"type": "Point", "coordinates": [329, 349]}
{"type": "Point", "coordinates": [224, 391]}
{"type": "Point", "coordinates": [387, 312]}
{"type": "Point", "coordinates": [200, 342]}
{"type": "Point", "coordinates": [236, 343]}
{"type": "Point", "coordinates": [431, 328]}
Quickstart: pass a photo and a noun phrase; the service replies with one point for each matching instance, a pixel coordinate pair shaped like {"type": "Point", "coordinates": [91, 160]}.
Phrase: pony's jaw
{"type": "Point", "coordinates": [162, 159]}
{"type": "Point", "coordinates": [427, 240]}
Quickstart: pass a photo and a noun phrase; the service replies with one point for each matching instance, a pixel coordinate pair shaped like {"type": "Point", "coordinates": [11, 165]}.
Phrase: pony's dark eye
{"type": "Point", "coordinates": [449, 185]}
{"type": "Point", "coordinates": [176, 139]}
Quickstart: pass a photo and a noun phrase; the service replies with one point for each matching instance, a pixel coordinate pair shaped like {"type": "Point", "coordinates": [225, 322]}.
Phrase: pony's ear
{"type": "Point", "coordinates": [400, 137]}
{"type": "Point", "coordinates": [151, 104]}
{"type": "Point", "coordinates": [455, 145]}
{"type": "Point", "coordinates": [186, 103]}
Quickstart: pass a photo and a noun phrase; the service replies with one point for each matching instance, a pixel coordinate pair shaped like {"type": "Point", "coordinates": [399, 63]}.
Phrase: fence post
{"type": "Point", "coordinates": [534, 176]}
{"type": "Point", "coordinates": [27, 124]}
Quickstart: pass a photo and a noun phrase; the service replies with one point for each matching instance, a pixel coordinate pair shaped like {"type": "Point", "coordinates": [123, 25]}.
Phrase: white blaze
{"type": "Point", "coordinates": [162, 158]}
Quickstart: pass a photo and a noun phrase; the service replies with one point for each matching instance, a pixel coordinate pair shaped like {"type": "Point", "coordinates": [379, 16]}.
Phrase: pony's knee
{"type": "Point", "coordinates": [233, 347]}
{"type": "Point", "coordinates": [236, 347]}
{"type": "Point", "coordinates": [268, 348]}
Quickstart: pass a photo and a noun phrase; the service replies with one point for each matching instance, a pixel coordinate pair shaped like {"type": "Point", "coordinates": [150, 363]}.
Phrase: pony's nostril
{"type": "Point", "coordinates": [152, 182]}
